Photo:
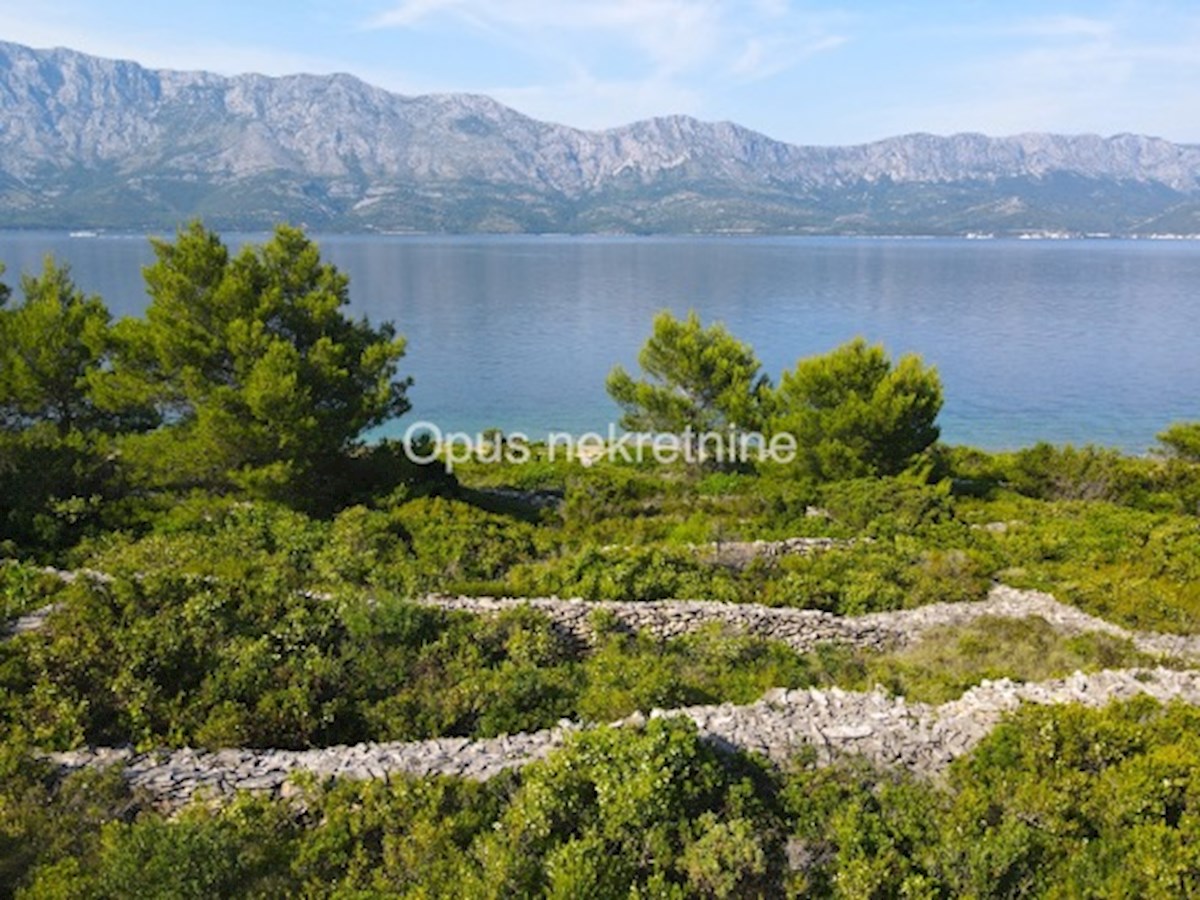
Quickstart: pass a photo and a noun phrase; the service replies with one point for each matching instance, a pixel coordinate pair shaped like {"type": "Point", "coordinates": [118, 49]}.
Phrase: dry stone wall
{"type": "Point", "coordinates": [803, 629]}
{"type": "Point", "coordinates": [887, 730]}
{"type": "Point", "coordinates": [884, 729]}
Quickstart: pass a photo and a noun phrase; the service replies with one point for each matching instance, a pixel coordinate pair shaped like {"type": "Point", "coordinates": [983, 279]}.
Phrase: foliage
{"type": "Point", "coordinates": [1048, 472]}
{"type": "Point", "coordinates": [24, 588]}
{"type": "Point", "coordinates": [228, 621]}
{"type": "Point", "coordinates": [54, 826]}
{"type": "Point", "coordinates": [408, 837]}
{"type": "Point", "coordinates": [1069, 473]}
{"type": "Point", "coordinates": [875, 577]}
{"type": "Point", "coordinates": [881, 507]}
{"type": "Point", "coordinates": [596, 494]}
{"type": "Point", "coordinates": [55, 489]}
{"type": "Point", "coordinates": [262, 382]}
{"type": "Point", "coordinates": [56, 468]}
{"type": "Point", "coordinates": [204, 637]}
{"type": "Point", "coordinates": [635, 672]}
{"type": "Point", "coordinates": [1056, 801]}
{"type": "Point", "coordinates": [1082, 801]}
{"type": "Point", "coordinates": [456, 544]}
{"type": "Point", "coordinates": [51, 347]}
{"type": "Point", "coordinates": [175, 659]}
{"type": "Point", "coordinates": [1135, 568]}
{"type": "Point", "coordinates": [639, 573]}
{"type": "Point", "coordinates": [1182, 440]}
{"type": "Point", "coordinates": [855, 413]}
{"type": "Point", "coordinates": [698, 379]}
{"type": "Point", "coordinates": [614, 812]}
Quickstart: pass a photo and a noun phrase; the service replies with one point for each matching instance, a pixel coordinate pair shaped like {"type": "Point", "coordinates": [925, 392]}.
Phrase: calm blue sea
{"type": "Point", "coordinates": [1068, 341]}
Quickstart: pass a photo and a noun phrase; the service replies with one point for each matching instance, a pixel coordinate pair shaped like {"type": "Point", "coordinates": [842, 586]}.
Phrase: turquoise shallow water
{"type": "Point", "coordinates": [1067, 341]}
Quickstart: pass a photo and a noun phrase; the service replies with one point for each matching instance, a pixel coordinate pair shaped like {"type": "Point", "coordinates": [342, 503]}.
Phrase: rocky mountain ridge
{"type": "Point", "coordinates": [90, 142]}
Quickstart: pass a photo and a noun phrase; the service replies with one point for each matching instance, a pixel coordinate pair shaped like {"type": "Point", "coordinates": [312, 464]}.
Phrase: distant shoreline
{"type": "Point", "coordinates": [101, 232]}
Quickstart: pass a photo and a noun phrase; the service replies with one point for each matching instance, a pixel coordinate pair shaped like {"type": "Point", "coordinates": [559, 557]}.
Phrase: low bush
{"type": "Point", "coordinates": [1056, 801]}
{"type": "Point", "coordinates": [626, 573]}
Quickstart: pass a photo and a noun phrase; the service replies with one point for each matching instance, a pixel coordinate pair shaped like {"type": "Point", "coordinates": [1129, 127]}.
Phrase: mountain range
{"type": "Point", "coordinates": [87, 142]}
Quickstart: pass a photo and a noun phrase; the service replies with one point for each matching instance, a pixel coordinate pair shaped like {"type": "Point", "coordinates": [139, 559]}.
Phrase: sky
{"type": "Point", "coordinates": [809, 73]}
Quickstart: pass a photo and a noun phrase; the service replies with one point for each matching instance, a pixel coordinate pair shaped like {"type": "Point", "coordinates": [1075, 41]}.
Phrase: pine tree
{"type": "Point", "coordinates": [263, 383]}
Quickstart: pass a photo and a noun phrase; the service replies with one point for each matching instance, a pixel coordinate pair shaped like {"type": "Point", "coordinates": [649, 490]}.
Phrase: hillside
{"type": "Point", "coordinates": [89, 142]}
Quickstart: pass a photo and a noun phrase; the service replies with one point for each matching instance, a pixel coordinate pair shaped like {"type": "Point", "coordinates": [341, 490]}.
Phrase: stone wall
{"type": "Point", "coordinates": [800, 629]}
{"type": "Point", "coordinates": [887, 730]}
{"type": "Point", "coordinates": [803, 629]}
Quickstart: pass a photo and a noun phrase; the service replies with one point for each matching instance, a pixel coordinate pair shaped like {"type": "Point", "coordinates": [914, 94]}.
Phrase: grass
{"type": "Point", "coordinates": [948, 661]}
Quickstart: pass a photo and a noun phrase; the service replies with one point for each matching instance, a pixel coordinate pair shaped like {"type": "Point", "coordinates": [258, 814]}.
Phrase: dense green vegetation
{"type": "Point", "coordinates": [698, 380]}
{"type": "Point", "coordinates": [854, 414]}
{"type": "Point", "coordinates": [255, 565]}
{"type": "Point", "coordinates": [173, 659]}
{"type": "Point", "coordinates": [1058, 802]}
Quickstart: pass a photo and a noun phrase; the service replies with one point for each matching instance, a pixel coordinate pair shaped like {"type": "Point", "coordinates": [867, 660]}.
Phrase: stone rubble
{"type": "Point", "coordinates": [739, 554]}
{"type": "Point", "coordinates": [886, 730]}
{"type": "Point", "coordinates": [31, 621]}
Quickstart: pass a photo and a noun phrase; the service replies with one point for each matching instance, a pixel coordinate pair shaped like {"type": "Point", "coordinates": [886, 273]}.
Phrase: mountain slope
{"type": "Point", "coordinates": [89, 142]}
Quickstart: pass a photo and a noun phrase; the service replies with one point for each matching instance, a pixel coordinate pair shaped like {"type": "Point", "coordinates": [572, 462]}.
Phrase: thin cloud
{"type": "Point", "coordinates": [156, 47]}
{"type": "Point", "coordinates": [584, 101]}
{"type": "Point", "coordinates": [1063, 27]}
{"type": "Point", "coordinates": [1070, 75]}
{"type": "Point", "coordinates": [410, 13]}
{"type": "Point", "coordinates": [672, 37]}
{"type": "Point", "coordinates": [672, 34]}
{"type": "Point", "coordinates": [611, 61]}
{"type": "Point", "coordinates": [767, 57]}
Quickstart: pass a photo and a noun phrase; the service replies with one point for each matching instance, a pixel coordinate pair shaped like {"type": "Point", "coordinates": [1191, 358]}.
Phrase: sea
{"type": "Point", "coordinates": [1081, 341]}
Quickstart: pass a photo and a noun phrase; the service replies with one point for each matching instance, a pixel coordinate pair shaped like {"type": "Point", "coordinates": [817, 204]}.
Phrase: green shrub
{"type": "Point", "coordinates": [452, 542]}
{"type": "Point", "coordinates": [24, 588]}
{"type": "Point", "coordinates": [207, 537]}
{"type": "Point", "coordinates": [1182, 440]}
{"type": "Point", "coordinates": [1055, 801]}
{"type": "Point", "coordinates": [603, 492]}
{"type": "Point", "coordinates": [854, 413]}
{"type": "Point", "coordinates": [55, 489]}
{"type": "Point", "coordinates": [1131, 567]}
{"type": "Point", "coordinates": [878, 575]}
{"type": "Point", "coordinates": [368, 548]}
{"type": "Point", "coordinates": [408, 836]}
{"type": "Point", "coordinates": [1069, 473]}
{"type": "Point", "coordinates": [640, 802]}
{"type": "Point", "coordinates": [887, 506]}
{"type": "Point", "coordinates": [618, 573]}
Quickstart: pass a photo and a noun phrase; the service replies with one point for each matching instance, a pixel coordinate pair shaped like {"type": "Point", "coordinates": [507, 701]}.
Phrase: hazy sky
{"type": "Point", "coordinates": [819, 73]}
